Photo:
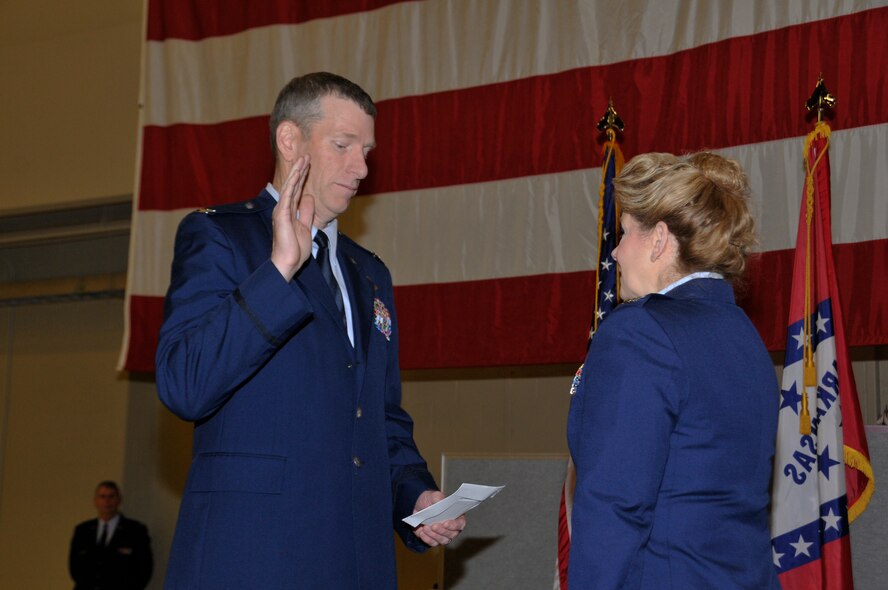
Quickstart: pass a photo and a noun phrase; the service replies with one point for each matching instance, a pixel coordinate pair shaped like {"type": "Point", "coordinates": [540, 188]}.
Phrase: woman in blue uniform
{"type": "Point", "coordinates": [672, 426]}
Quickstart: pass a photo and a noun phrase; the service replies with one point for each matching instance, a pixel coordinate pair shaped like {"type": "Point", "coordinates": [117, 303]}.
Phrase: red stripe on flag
{"type": "Point", "coordinates": [546, 124]}
{"type": "Point", "coordinates": [540, 319]}
{"type": "Point", "coordinates": [440, 323]}
{"type": "Point", "coordinates": [199, 19]}
{"type": "Point", "coordinates": [862, 279]}
{"type": "Point", "coordinates": [199, 165]}
{"type": "Point", "coordinates": [823, 572]}
{"type": "Point", "coordinates": [146, 316]}
{"type": "Point", "coordinates": [562, 558]}
{"type": "Point", "coordinates": [553, 321]}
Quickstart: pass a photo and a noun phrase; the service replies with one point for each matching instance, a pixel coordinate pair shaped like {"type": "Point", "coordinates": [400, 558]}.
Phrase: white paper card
{"type": "Point", "coordinates": [468, 496]}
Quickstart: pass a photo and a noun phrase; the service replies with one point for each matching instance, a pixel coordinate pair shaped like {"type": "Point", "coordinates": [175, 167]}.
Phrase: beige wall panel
{"type": "Point", "coordinates": [870, 365]}
{"type": "Point", "coordinates": [508, 410]}
{"type": "Point", "coordinates": [69, 106]}
{"type": "Point", "coordinates": [496, 410]}
{"type": "Point", "coordinates": [158, 454]}
{"type": "Point", "coordinates": [65, 430]}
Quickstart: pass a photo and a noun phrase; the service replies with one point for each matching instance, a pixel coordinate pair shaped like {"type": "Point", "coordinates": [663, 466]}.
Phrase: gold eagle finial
{"type": "Point", "coordinates": [611, 120]}
{"type": "Point", "coordinates": [820, 99]}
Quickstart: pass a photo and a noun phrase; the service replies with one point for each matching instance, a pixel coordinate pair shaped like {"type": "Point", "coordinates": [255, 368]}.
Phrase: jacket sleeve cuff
{"type": "Point", "coordinates": [274, 306]}
{"type": "Point", "coordinates": [407, 491]}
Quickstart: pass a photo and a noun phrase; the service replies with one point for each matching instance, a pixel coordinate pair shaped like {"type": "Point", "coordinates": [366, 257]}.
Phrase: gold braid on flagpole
{"type": "Point", "coordinates": [821, 100]}
{"type": "Point", "coordinates": [810, 370]}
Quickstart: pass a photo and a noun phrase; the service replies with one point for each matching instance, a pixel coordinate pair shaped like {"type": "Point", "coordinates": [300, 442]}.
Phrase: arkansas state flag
{"type": "Point", "coordinates": [822, 475]}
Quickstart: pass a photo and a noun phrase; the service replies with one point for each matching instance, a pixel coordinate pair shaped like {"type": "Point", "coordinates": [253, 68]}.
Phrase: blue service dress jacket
{"type": "Point", "coordinates": [672, 430]}
{"type": "Point", "coordinates": [303, 459]}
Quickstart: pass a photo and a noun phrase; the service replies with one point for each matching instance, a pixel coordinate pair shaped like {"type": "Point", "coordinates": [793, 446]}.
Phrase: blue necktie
{"type": "Point", "coordinates": [323, 260]}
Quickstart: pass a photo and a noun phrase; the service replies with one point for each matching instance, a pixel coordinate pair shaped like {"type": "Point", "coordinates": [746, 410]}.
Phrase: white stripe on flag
{"type": "Point", "coordinates": [547, 223]}
{"type": "Point", "coordinates": [461, 45]}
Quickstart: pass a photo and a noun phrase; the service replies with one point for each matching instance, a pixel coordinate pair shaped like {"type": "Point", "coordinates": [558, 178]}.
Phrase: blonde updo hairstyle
{"type": "Point", "coordinates": [703, 200]}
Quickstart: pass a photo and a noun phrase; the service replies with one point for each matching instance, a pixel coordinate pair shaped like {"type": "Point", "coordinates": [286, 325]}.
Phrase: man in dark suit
{"type": "Point", "coordinates": [280, 343]}
{"type": "Point", "coordinates": [111, 552]}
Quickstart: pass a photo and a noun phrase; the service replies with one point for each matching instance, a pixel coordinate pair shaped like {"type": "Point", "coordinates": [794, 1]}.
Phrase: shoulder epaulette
{"type": "Point", "coordinates": [239, 207]}
{"type": "Point", "coordinates": [360, 247]}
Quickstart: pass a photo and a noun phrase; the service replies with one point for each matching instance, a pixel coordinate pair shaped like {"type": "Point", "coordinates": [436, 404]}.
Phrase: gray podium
{"type": "Point", "coordinates": [510, 540]}
{"type": "Point", "coordinates": [869, 533]}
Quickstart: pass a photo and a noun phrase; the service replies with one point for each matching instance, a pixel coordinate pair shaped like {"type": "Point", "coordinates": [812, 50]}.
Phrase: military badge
{"type": "Point", "coordinates": [382, 319]}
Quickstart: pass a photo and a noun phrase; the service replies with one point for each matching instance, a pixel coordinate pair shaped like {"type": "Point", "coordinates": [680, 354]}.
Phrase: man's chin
{"type": "Point", "coordinates": [342, 202]}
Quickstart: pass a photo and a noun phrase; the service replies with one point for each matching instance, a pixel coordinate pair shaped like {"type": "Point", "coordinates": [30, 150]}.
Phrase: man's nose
{"type": "Point", "coordinates": [358, 166]}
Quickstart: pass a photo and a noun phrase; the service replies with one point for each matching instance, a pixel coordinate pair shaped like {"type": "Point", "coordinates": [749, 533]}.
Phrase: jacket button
{"type": "Point", "coordinates": [349, 365]}
{"type": "Point", "coordinates": [359, 412]}
{"type": "Point", "coordinates": [356, 461]}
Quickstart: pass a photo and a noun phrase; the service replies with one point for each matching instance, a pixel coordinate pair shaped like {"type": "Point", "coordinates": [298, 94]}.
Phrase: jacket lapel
{"type": "Point", "coordinates": [310, 277]}
{"type": "Point", "coordinates": [361, 293]}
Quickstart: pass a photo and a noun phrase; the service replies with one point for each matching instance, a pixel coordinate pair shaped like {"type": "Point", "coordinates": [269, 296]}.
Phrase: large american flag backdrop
{"type": "Point", "coordinates": [483, 193]}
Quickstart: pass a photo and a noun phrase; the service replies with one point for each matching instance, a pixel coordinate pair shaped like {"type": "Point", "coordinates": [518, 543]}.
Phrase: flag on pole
{"type": "Point", "coordinates": [822, 474]}
{"type": "Point", "coordinates": [607, 287]}
{"type": "Point", "coordinates": [606, 298]}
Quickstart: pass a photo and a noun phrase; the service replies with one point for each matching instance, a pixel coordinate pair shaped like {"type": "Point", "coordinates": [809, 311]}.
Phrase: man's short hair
{"type": "Point", "coordinates": [108, 484]}
{"type": "Point", "coordinates": [299, 101]}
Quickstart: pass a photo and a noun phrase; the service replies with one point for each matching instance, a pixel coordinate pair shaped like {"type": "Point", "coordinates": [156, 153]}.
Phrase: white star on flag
{"type": "Point", "coordinates": [800, 337]}
{"type": "Point", "coordinates": [776, 556]}
{"type": "Point", "coordinates": [801, 546]}
{"type": "Point", "coordinates": [608, 295]}
{"type": "Point", "coordinates": [831, 520]}
{"type": "Point", "coordinates": [606, 264]}
{"type": "Point", "coordinates": [599, 314]}
{"type": "Point", "coordinates": [821, 323]}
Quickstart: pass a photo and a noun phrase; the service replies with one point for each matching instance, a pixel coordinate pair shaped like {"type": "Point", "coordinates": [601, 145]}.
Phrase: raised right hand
{"type": "Point", "coordinates": [291, 222]}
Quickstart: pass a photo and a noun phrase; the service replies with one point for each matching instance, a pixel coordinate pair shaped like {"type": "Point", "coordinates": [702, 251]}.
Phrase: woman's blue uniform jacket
{"type": "Point", "coordinates": [672, 430]}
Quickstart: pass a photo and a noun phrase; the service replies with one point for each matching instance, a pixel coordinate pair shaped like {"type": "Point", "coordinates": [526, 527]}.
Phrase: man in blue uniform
{"type": "Point", "coordinates": [280, 342]}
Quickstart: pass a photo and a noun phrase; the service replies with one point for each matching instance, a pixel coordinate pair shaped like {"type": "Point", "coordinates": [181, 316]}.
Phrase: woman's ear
{"type": "Point", "coordinates": [662, 242]}
{"type": "Point", "coordinates": [660, 237]}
